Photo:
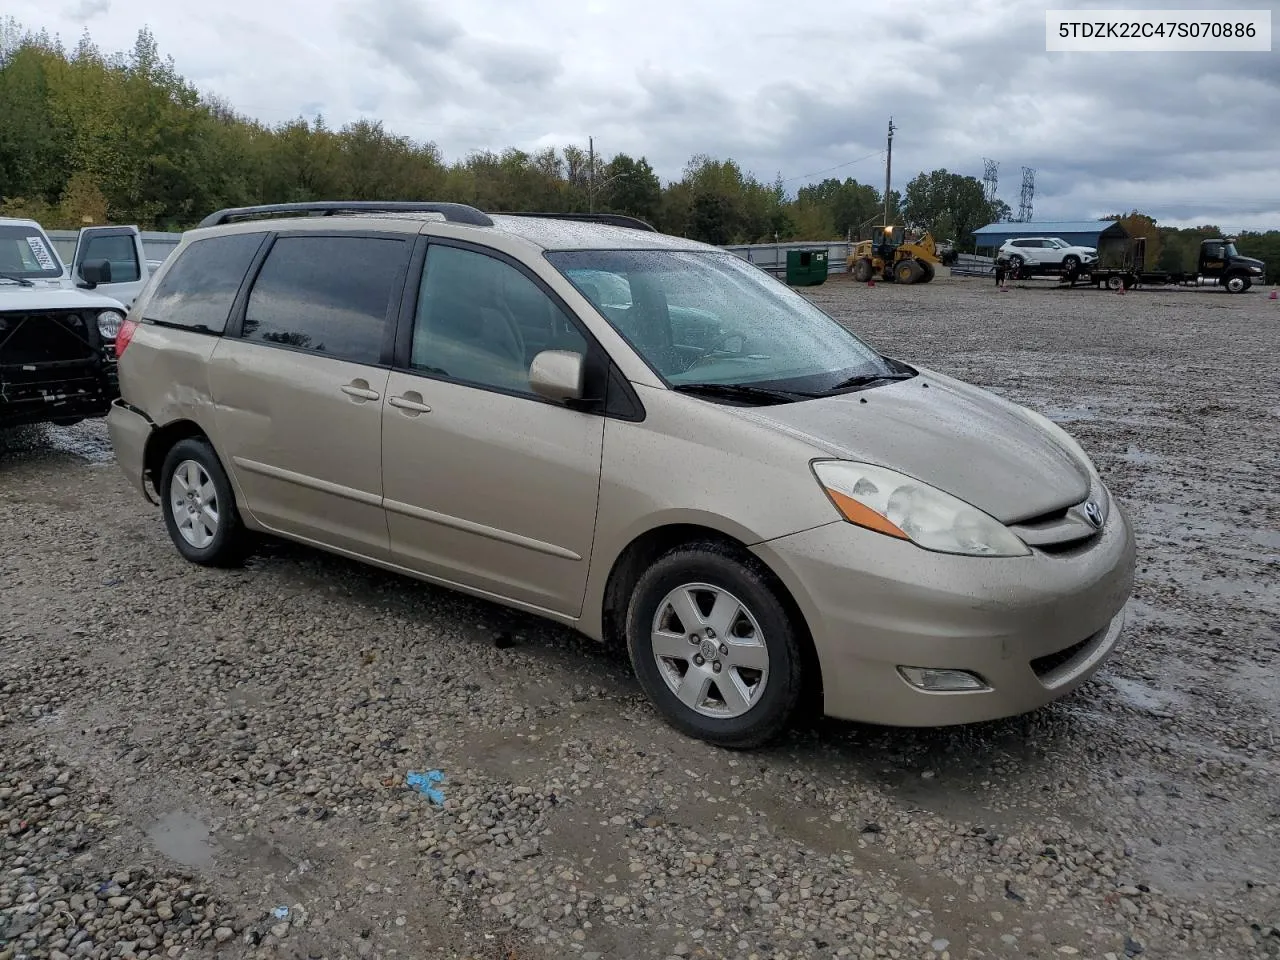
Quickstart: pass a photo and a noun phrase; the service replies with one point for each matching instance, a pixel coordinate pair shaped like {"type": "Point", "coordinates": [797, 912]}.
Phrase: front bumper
{"type": "Point", "coordinates": [1033, 628]}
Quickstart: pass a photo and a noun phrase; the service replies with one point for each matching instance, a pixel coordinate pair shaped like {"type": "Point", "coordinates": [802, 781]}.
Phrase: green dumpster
{"type": "Point", "coordinates": [806, 268]}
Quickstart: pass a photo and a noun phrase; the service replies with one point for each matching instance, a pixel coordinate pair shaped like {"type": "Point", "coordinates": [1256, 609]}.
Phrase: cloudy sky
{"type": "Point", "coordinates": [781, 87]}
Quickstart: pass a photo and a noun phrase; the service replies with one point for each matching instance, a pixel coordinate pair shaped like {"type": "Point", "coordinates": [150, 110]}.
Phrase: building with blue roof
{"type": "Point", "coordinates": [1099, 234]}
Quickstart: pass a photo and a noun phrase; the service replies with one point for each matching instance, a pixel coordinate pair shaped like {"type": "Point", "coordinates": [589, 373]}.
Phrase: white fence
{"type": "Point", "coordinates": [972, 265]}
{"type": "Point", "coordinates": [773, 256]}
{"type": "Point", "coordinates": [155, 244]}
{"type": "Point", "coordinates": [767, 256]}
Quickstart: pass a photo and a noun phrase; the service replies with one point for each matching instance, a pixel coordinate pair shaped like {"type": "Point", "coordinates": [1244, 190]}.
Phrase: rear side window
{"type": "Point", "coordinates": [200, 287]}
{"type": "Point", "coordinates": [327, 294]}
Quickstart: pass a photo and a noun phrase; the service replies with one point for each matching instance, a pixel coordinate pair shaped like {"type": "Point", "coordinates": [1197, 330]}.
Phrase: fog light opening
{"type": "Point", "coordinates": [936, 680]}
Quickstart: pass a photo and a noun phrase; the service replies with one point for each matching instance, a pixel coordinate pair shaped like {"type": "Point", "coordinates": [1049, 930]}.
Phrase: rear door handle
{"type": "Point", "coordinates": [360, 390]}
{"type": "Point", "coordinates": [411, 403]}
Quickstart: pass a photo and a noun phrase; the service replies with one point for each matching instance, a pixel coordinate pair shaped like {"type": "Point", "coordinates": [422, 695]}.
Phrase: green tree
{"type": "Point", "coordinates": [950, 205]}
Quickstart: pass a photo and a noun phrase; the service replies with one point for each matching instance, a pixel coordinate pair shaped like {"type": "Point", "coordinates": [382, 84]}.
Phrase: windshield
{"type": "Point", "coordinates": [703, 317]}
{"type": "Point", "coordinates": [25, 253]}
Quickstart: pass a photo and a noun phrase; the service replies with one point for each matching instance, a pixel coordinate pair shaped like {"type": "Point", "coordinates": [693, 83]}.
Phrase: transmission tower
{"type": "Point", "coordinates": [1028, 192]}
{"type": "Point", "coordinates": [989, 177]}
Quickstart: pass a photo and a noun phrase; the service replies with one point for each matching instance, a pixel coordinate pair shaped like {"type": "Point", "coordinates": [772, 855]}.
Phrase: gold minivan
{"type": "Point", "coordinates": [641, 436]}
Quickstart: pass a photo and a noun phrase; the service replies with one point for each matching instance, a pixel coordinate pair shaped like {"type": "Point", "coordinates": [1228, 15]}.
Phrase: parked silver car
{"type": "Point", "coordinates": [637, 435]}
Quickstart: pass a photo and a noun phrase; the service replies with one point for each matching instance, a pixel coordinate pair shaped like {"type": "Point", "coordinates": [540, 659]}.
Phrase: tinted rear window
{"type": "Point", "coordinates": [201, 286]}
{"type": "Point", "coordinates": [327, 294]}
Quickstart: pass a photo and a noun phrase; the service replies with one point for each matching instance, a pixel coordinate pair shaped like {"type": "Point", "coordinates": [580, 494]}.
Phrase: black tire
{"type": "Point", "coordinates": [862, 270]}
{"type": "Point", "coordinates": [1115, 282]}
{"type": "Point", "coordinates": [927, 271]}
{"type": "Point", "coordinates": [229, 544]}
{"type": "Point", "coordinates": [907, 272]}
{"type": "Point", "coordinates": [1237, 283]}
{"type": "Point", "coordinates": [1070, 263]}
{"type": "Point", "coordinates": [740, 575]}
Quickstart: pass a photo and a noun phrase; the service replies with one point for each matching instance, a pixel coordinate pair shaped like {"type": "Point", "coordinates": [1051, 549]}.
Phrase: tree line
{"type": "Point", "coordinates": [88, 137]}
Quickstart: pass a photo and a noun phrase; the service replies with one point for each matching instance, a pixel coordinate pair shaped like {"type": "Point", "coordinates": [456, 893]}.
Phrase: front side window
{"type": "Point", "coordinates": [481, 321]}
{"type": "Point", "coordinates": [25, 254]}
{"type": "Point", "coordinates": [709, 317]}
{"type": "Point", "coordinates": [326, 294]}
{"type": "Point", "coordinates": [119, 251]}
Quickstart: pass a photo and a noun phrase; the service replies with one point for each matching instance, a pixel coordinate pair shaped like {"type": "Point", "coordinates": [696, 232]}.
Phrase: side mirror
{"type": "Point", "coordinates": [558, 375]}
{"type": "Point", "coordinates": [94, 272]}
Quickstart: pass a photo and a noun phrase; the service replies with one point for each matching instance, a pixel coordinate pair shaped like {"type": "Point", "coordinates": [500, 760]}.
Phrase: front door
{"type": "Point", "coordinates": [486, 484]}
{"type": "Point", "coordinates": [298, 393]}
{"type": "Point", "coordinates": [122, 248]}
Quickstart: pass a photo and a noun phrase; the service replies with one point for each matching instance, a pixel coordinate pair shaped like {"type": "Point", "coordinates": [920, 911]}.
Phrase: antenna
{"type": "Point", "coordinates": [990, 175]}
{"type": "Point", "coordinates": [1028, 192]}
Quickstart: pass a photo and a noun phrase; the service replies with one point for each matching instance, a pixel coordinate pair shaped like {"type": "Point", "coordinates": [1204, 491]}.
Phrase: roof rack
{"type": "Point", "coordinates": [452, 212]}
{"type": "Point", "coordinates": [613, 219]}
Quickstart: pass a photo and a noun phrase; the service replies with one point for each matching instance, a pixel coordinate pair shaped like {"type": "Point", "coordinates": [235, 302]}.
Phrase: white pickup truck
{"type": "Point", "coordinates": [58, 323]}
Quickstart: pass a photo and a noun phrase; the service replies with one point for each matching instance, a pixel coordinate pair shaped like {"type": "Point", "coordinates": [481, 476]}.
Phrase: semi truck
{"type": "Point", "coordinates": [1219, 263]}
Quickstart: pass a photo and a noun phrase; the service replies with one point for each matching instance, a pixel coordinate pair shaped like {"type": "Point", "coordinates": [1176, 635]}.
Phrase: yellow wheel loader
{"type": "Point", "coordinates": [892, 257]}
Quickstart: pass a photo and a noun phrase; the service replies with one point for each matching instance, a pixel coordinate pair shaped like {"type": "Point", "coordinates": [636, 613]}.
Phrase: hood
{"type": "Point", "coordinates": [956, 437]}
{"type": "Point", "coordinates": [14, 296]}
{"type": "Point", "coordinates": [1248, 262]}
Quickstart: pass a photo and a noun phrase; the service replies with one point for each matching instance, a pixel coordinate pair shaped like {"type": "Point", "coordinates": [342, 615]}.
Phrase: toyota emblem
{"type": "Point", "coordinates": [1094, 513]}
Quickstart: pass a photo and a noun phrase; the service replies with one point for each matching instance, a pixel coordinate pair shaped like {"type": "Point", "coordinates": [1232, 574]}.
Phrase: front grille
{"type": "Point", "coordinates": [1053, 668]}
{"type": "Point", "coordinates": [53, 366]}
{"type": "Point", "coordinates": [51, 337]}
{"type": "Point", "coordinates": [1051, 662]}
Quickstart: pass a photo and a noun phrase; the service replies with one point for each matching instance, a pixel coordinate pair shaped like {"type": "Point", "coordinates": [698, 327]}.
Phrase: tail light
{"type": "Point", "coordinates": [124, 336]}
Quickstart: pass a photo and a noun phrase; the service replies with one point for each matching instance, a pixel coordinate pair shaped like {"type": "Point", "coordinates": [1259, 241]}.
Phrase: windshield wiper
{"type": "Point", "coordinates": [21, 281]}
{"type": "Point", "coordinates": [866, 379]}
{"type": "Point", "coordinates": [742, 391]}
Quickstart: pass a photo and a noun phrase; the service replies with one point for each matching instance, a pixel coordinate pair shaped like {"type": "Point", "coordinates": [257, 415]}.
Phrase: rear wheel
{"type": "Point", "coordinates": [199, 506]}
{"type": "Point", "coordinates": [713, 646]}
{"type": "Point", "coordinates": [1115, 281]}
{"type": "Point", "coordinates": [1071, 263]}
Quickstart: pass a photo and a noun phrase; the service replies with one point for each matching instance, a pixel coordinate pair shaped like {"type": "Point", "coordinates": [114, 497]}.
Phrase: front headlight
{"type": "Point", "coordinates": [109, 322]}
{"type": "Point", "coordinates": [900, 506]}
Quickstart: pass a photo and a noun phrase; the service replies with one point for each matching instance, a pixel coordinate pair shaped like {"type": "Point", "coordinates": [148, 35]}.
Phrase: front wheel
{"type": "Point", "coordinates": [199, 506]}
{"type": "Point", "coordinates": [1237, 283]}
{"type": "Point", "coordinates": [1071, 264]}
{"type": "Point", "coordinates": [713, 646]}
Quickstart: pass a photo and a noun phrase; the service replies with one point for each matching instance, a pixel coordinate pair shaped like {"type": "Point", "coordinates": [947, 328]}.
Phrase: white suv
{"type": "Point", "coordinates": [1046, 252]}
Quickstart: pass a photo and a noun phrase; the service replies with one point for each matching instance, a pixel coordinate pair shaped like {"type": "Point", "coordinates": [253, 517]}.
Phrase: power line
{"type": "Point", "coordinates": [838, 166]}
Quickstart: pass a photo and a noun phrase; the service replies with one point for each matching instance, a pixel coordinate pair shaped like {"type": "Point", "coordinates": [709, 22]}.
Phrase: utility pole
{"type": "Point", "coordinates": [591, 175]}
{"type": "Point", "coordinates": [888, 167]}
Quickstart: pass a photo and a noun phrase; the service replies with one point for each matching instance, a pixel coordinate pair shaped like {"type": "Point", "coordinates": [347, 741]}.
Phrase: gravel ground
{"type": "Point", "coordinates": [199, 763]}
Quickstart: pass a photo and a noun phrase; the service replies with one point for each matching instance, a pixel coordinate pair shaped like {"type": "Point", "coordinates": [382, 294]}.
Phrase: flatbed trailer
{"type": "Point", "coordinates": [1124, 279]}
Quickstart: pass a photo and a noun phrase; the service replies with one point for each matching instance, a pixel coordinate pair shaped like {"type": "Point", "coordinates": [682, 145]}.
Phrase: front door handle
{"type": "Point", "coordinates": [411, 403]}
{"type": "Point", "coordinates": [360, 390]}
